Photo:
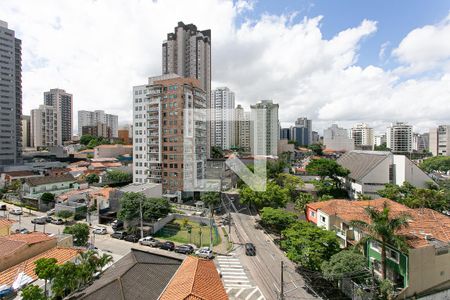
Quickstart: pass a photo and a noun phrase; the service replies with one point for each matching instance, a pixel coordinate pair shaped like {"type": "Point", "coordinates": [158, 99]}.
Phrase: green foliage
{"type": "Point", "coordinates": [211, 200]}
{"type": "Point", "coordinates": [274, 196]}
{"type": "Point", "coordinates": [382, 147]}
{"type": "Point", "coordinates": [92, 178]}
{"type": "Point", "coordinates": [14, 186]}
{"type": "Point", "coordinates": [436, 163]}
{"type": "Point", "coordinates": [91, 141]}
{"type": "Point", "coordinates": [47, 197]}
{"type": "Point", "coordinates": [64, 214]}
{"type": "Point", "coordinates": [309, 245]}
{"type": "Point", "coordinates": [327, 189]}
{"type": "Point", "coordinates": [275, 167]}
{"type": "Point", "coordinates": [32, 292]}
{"type": "Point", "coordinates": [301, 201]}
{"type": "Point", "coordinates": [80, 232]}
{"type": "Point", "coordinates": [346, 261]}
{"type": "Point", "coordinates": [316, 149]}
{"type": "Point", "coordinates": [85, 139]}
{"type": "Point", "coordinates": [46, 269]}
{"type": "Point", "coordinates": [216, 152]}
{"type": "Point", "coordinates": [277, 219]}
{"type": "Point", "coordinates": [290, 182]}
{"type": "Point", "coordinates": [386, 289]}
{"type": "Point", "coordinates": [324, 168]}
{"type": "Point", "coordinates": [152, 208]}
{"type": "Point", "coordinates": [116, 176]}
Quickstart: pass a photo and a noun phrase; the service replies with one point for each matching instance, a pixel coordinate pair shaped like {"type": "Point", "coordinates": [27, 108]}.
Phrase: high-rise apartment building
{"type": "Point", "coordinates": [265, 128]}
{"type": "Point", "coordinates": [10, 96]}
{"type": "Point", "coordinates": [399, 137]}
{"type": "Point", "coordinates": [62, 103]}
{"type": "Point", "coordinates": [379, 139]}
{"type": "Point", "coordinates": [99, 130]}
{"type": "Point", "coordinates": [337, 139]}
{"type": "Point", "coordinates": [26, 131]}
{"type": "Point", "coordinates": [285, 134]}
{"type": "Point", "coordinates": [187, 52]}
{"type": "Point", "coordinates": [242, 129]}
{"type": "Point", "coordinates": [315, 137]}
{"type": "Point", "coordinates": [169, 142]}
{"type": "Point", "coordinates": [93, 118]}
{"type": "Point", "coordinates": [363, 136]}
{"type": "Point", "coordinates": [44, 127]}
{"type": "Point", "coordinates": [301, 132]}
{"type": "Point", "coordinates": [420, 142]}
{"type": "Point", "coordinates": [222, 118]}
{"type": "Point", "coordinates": [440, 140]}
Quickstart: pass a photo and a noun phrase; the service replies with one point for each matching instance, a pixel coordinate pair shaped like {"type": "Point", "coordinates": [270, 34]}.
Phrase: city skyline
{"type": "Point", "coordinates": [324, 71]}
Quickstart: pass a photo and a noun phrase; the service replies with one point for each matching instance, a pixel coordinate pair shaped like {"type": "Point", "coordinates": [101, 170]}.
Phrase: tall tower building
{"type": "Point", "coordinates": [265, 128]}
{"type": "Point", "coordinates": [62, 102]}
{"type": "Point", "coordinates": [301, 132]}
{"type": "Point", "coordinates": [363, 136]}
{"type": "Point", "coordinates": [187, 52]}
{"type": "Point", "coordinates": [26, 131]}
{"type": "Point", "coordinates": [399, 137]}
{"type": "Point", "coordinates": [242, 129]}
{"type": "Point", "coordinates": [222, 108]}
{"type": "Point", "coordinates": [44, 127]}
{"type": "Point", "coordinates": [10, 96]}
{"type": "Point", "coordinates": [94, 118]}
{"type": "Point", "coordinates": [337, 139]}
{"type": "Point", "coordinates": [439, 139]}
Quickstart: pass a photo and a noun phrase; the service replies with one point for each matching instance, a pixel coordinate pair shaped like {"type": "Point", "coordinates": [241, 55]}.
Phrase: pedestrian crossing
{"type": "Point", "coordinates": [235, 280]}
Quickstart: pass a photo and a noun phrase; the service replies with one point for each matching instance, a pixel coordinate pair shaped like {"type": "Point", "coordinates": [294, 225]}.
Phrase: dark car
{"type": "Point", "coordinates": [117, 224]}
{"type": "Point", "coordinates": [40, 221]}
{"type": "Point", "coordinates": [131, 238]}
{"type": "Point", "coordinates": [184, 249]}
{"type": "Point", "coordinates": [3, 207]}
{"type": "Point", "coordinates": [250, 249]}
{"type": "Point", "coordinates": [119, 235]}
{"type": "Point", "coordinates": [167, 246]}
{"type": "Point", "coordinates": [57, 221]}
{"type": "Point", "coordinates": [49, 219]}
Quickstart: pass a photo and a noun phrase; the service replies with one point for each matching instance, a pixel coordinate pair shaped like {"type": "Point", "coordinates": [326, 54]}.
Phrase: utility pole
{"type": "Point", "coordinates": [281, 282]}
{"type": "Point", "coordinates": [140, 214]}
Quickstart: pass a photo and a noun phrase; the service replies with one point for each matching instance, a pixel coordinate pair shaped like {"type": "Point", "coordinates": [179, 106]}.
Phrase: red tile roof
{"type": "Point", "coordinates": [61, 254]}
{"type": "Point", "coordinates": [30, 238]}
{"type": "Point", "coordinates": [196, 279]}
{"type": "Point", "coordinates": [6, 222]}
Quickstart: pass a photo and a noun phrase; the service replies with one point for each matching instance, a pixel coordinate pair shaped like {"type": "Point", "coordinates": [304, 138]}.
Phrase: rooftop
{"type": "Point", "coordinates": [360, 163]}
{"type": "Point", "coordinates": [196, 279]}
{"type": "Point", "coordinates": [35, 181]}
{"type": "Point", "coordinates": [30, 238]}
{"type": "Point", "coordinates": [20, 173]}
{"type": "Point", "coordinates": [6, 222]}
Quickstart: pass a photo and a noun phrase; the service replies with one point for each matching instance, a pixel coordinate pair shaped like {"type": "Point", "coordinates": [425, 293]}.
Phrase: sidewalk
{"type": "Point", "coordinates": [222, 248]}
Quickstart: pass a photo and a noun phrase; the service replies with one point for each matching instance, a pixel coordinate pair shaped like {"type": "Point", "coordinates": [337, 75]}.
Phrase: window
{"type": "Point", "coordinates": [312, 214]}
{"type": "Point", "coordinates": [322, 218]}
{"type": "Point", "coordinates": [393, 255]}
{"type": "Point", "coordinates": [374, 245]}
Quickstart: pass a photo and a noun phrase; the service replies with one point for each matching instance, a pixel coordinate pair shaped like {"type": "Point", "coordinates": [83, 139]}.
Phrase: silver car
{"type": "Point", "coordinates": [149, 241]}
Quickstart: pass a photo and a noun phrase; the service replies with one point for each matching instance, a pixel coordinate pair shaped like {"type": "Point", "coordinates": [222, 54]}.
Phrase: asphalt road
{"type": "Point", "coordinates": [265, 267]}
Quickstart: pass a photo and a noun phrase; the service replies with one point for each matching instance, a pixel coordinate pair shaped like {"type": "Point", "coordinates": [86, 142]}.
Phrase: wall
{"type": "Point", "coordinates": [412, 173]}
{"type": "Point", "coordinates": [5, 230]}
{"type": "Point", "coordinates": [325, 224]}
{"type": "Point", "coordinates": [378, 175]}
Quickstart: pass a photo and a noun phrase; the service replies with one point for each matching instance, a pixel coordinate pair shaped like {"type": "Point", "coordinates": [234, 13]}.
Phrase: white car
{"type": "Point", "coordinates": [100, 230]}
{"type": "Point", "coordinates": [149, 241]}
{"type": "Point", "coordinates": [204, 252]}
{"type": "Point", "coordinates": [16, 211]}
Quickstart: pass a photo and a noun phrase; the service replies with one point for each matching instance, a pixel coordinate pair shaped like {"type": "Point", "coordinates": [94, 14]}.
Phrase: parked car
{"type": "Point", "coordinates": [167, 246]}
{"type": "Point", "coordinates": [250, 249]}
{"type": "Point", "coordinates": [22, 230]}
{"type": "Point", "coordinates": [51, 212]}
{"type": "Point", "coordinates": [40, 220]}
{"type": "Point", "coordinates": [131, 238]}
{"type": "Point", "coordinates": [117, 224]}
{"type": "Point", "coordinates": [100, 230]}
{"type": "Point", "coordinates": [184, 249]}
{"type": "Point", "coordinates": [48, 219]}
{"type": "Point", "coordinates": [3, 207]}
{"type": "Point", "coordinates": [204, 252]}
{"type": "Point", "coordinates": [119, 235]}
{"type": "Point", "coordinates": [16, 211]}
{"type": "Point", "coordinates": [58, 221]}
{"type": "Point", "coordinates": [150, 241]}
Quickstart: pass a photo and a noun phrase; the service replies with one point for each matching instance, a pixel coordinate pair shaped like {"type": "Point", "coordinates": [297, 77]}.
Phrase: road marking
{"type": "Point", "coordinates": [236, 280]}
{"type": "Point", "coordinates": [236, 285]}
{"type": "Point", "coordinates": [261, 298]}
{"type": "Point", "coordinates": [292, 280]}
{"type": "Point", "coordinates": [276, 287]}
{"type": "Point", "coordinates": [235, 277]}
{"type": "Point", "coordinates": [239, 293]}
{"type": "Point", "coordinates": [232, 273]}
{"type": "Point", "coordinates": [251, 294]}
{"type": "Point", "coordinates": [258, 259]}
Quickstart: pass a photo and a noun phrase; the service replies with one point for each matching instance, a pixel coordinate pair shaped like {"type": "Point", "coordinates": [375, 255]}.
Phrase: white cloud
{"type": "Point", "coordinates": [98, 50]}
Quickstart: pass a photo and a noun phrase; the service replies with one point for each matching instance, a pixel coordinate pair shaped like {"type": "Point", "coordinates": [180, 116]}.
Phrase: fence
{"type": "Point", "coordinates": [355, 291]}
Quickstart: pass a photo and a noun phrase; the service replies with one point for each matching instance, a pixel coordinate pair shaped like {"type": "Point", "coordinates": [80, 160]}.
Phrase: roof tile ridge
{"type": "Point", "coordinates": [197, 261]}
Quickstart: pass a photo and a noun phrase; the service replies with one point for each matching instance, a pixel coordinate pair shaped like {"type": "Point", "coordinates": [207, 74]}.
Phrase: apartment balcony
{"type": "Point", "coordinates": [152, 126]}
{"type": "Point", "coordinates": [340, 233]}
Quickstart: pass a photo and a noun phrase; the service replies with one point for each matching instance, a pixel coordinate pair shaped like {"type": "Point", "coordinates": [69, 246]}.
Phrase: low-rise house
{"type": "Point", "coordinates": [103, 151]}
{"type": "Point", "coordinates": [8, 177]}
{"type": "Point", "coordinates": [16, 248]}
{"type": "Point", "coordinates": [5, 226]}
{"type": "Point", "coordinates": [34, 187]}
{"type": "Point", "coordinates": [371, 170]}
{"type": "Point", "coordinates": [423, 269]}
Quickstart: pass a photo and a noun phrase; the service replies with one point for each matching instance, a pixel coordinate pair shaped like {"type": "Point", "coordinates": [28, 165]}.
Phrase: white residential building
{"type": "Point", "coordinates": [265, 128]}
{"type": "Point", "coordinates": [62, 103]}
{"type": "Point", "coordinates": [222, 118]}
{"type": "Point", "coordinates": [92, 118]}
{"type": "Point", "coordinates": [440, 140]}
{"type": "Point", "coordinates": [420, 142]}
{"type": "Point", "coordinates": [379, 139]}
{"type": "Point", "coordinates": [337, 139]}
{"type": "Point", "coordinates": [363, 136]}
{"type": "Point", "coordinates": [399, 137]}
{"type": "Point", "coordinates": [44, 127]}
{"type": "Point", "coordinates": [242, 129]}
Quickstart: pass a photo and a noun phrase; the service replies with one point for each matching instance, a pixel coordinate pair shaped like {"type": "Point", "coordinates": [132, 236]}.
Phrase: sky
{"type": "Point", "coordinates": [338, 62]}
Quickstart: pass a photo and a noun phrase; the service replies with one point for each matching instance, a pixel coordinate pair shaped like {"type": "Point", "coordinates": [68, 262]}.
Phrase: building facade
{"type": "Point", "coordinates": [285, 134]}
{"type": "Point", "coordinates": [26, 131]}
{"type": "Point", "coordinates": [399, 137]}
{"type": "Point", "coordinates": [169, 146]}
{"type": "Point", "coordinates": [264, 128]}
{"type": "Point", "coordinates": [44, 127]}
{"type": "Point", "coordinates": [379, 139]}
{"type": "Point", "coordinates": [10, 96]}
{"type": "Point", "coordinates": [301, 132]}
{"type": "Point", "coordinates": [62, 103]}
{"type": "Point", "coordinates": [93, 118]}
{"type": "Point", "coordinates": [363, 136]}
{"type": "Point", "coordinates": [421, 142]}
{"type": "Point", "coordinates": [439, 139]}
{"type": "Point", "coordinates": [242, 129]}
{"type": "Point", "coordinates": [222, 118]}
{"type": "Point", "coordinates": [99, 130]}
{"type": "Point", "coordinates": [337, 139]}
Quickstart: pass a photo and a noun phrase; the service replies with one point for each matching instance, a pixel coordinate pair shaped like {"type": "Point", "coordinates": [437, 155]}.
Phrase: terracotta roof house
{"type": "Point", "coordinates": [423, 269]}
{"type": "Point", "coordinates": [33, 187]}
{"type": "Point", "coordinates": [139, 275]}
{"type": "Point", "coordinates": [16, 248]}
{"type": "Point", "coordinates": [196, 279]}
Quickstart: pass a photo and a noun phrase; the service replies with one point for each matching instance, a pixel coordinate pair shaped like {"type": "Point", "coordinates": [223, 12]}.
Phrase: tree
{"type": "Point", "coordinates": [92, 178]}
{"type": "Point", "coordinates": [80, 232]}
{"type": "Point", "coordinates": [324, 168]}
{"type": "Point", "coordinates": [277, 219]}
{"type": "Point", "coordinates": [436, 163]}
{"type": "Point", "coordinates": [316, 149]}
{"type": "Point", "coordinates": [46, 269]}
{"type": "Point", "coordinates": [344, 262]}
{"type": "Point", "coordinates": [382, 147]}
{"type": "Point", "coordinates": [67, 280]}
{"type": "Point", "coordinates": [64, 214]}
{"type": "Point", "coordinates": [216, 152]}
{"type": "Point", "coordinates": [302, 200]}
{"type": "Point", "coordinates": [309, 245]}
{"type": "Point", "coordinates": [47, 197]}
{"type": "Point", "coordinates": [274, 196]}
{"type": "Point", "coordinates": [291, 182]}
{"type": "Point", "coordinates": [85, 139]}
{"type": "Point", "coordinates": [32, 292]}
{"type": "Point", "coordinates": [116, 176]}
{"type": "Point", "coordinates": [383, 228]}
{"type": "Point", "coordinates": [211, 200]}
{"type": "Point", "coordinates": [152, 208]}
{"type": "Point", "coordinates": [15, 185]}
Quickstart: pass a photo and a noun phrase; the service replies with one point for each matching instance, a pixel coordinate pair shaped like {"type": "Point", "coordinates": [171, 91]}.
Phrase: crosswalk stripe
{"type": "Point", "coordinates": [251, 294]}
{"type": "Point", "coordinates": [235, 280]}
{"type": "Point", "coordinates": [261, 298]}
{"type": "Point", "coordinates": [237, 286]}
{"type": "Point", "coordinates": [234, 277]}
{"type": "Point", "coordinates": [230, 273]}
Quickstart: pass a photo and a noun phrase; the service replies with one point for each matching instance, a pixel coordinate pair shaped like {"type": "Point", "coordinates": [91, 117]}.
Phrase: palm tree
{"type": "Point", "coordinates": [211, 199]}
{"type": "Point", "coordinates": [383, 227]}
